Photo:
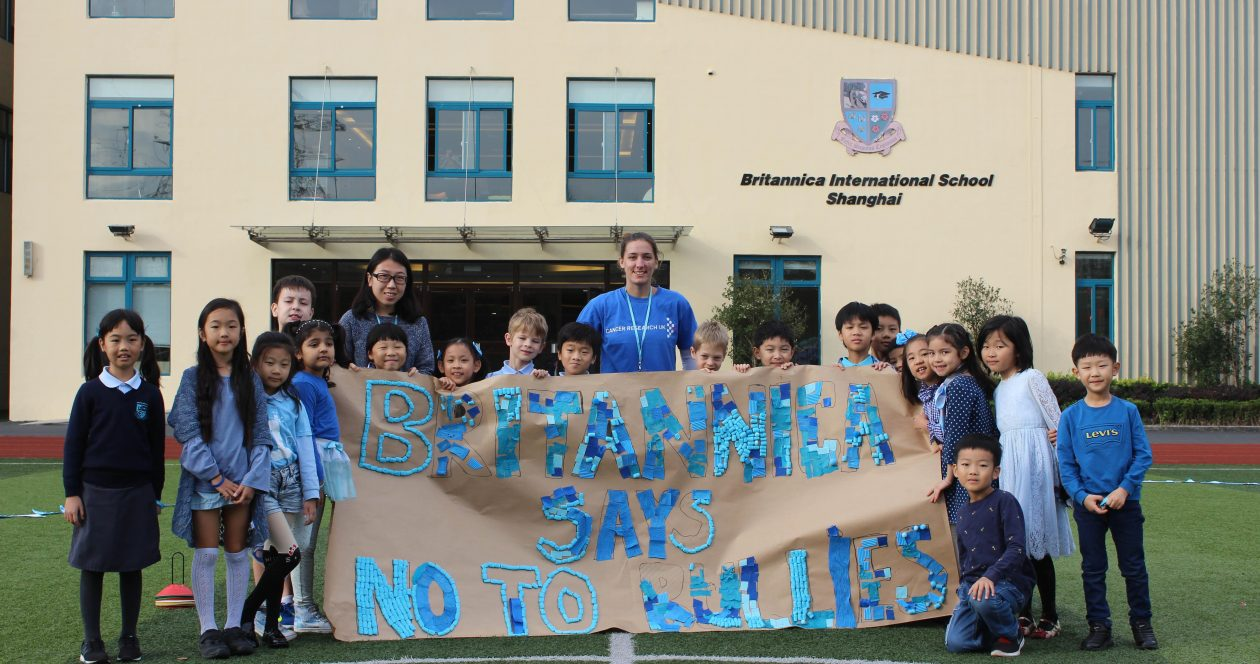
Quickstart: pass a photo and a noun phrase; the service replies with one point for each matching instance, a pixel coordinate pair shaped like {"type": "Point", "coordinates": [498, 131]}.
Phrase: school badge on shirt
{"type": "Point", "coordinates": [142, 411]}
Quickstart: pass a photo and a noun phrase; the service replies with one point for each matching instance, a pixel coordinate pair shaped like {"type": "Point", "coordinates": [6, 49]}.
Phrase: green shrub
{"type": "Point", "coordinates": [1213, 346]}
{"type": "Point", "coordinates": [976, 302]}
{"type": "Point", "coordinates": [748, 304]}
{"type": "Point", "coordinates": [1207, 411]}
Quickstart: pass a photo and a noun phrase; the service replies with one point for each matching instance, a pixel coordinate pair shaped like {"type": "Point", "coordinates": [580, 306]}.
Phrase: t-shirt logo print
{"type": "Point", "coordinates": [142, 411]}
{"type": "Point", "coordinates": [669, 326]}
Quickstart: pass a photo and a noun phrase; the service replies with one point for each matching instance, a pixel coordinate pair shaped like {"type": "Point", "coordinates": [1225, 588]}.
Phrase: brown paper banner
{"type": "Point", "coordinates": [461, 528]}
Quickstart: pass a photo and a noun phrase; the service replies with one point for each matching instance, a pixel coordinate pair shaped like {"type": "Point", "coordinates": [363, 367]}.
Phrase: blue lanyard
{"type": "Point", "coordinates": [378, 319]}
{"type": "Point", "coordinates": [639, 335]}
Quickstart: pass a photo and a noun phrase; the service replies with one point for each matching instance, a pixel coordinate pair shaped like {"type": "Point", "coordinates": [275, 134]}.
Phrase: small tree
{"type": "Point", "coordinates": [749, 304]}
{"type": "Point", "coordinates": [1214, 345]}
{"type": "Point", "coordinates": [976, 302]}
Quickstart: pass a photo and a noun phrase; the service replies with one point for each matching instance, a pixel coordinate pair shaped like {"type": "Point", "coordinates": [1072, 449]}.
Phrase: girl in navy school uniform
{"type": "Point", "coordinates": [962, 398]}
{"type": "Point", "coordinates": [113, 475]}
{"type": "Point", "coordinates": [220, 418]}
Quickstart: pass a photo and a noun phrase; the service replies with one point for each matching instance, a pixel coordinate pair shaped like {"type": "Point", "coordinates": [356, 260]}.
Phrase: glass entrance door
{"type": "Point", "coordinates": [475, 299]}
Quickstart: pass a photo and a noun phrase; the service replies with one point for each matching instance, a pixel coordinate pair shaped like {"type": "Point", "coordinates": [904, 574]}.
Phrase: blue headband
{"type": "Point", "coordinates": [904, 337]}
{"type": "Point", "coordinates": [476, 348]}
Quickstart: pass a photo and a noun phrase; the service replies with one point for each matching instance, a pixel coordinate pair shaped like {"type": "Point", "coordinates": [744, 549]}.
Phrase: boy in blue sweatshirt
{"type": "Point", "coordinates": [995, 574]}
{"type": "Point", "coordinates": [1103, 456]}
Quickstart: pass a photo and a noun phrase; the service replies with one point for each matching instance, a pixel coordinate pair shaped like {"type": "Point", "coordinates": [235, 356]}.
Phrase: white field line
{"type": "Point", "coordinates": [621, 648]}
{"type": "Point", "coordinates": [480, 660]}
{"type": "Point", "coordinates": [759, 660]}
{"type": "Point", "coordinates": [621, 651]}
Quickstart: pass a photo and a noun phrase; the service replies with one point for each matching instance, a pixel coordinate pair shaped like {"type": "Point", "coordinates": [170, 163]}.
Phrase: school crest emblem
{"type": "Point", "coordinates": [142, 411]}
{"type": "Point", "coordinates": [868, 105]}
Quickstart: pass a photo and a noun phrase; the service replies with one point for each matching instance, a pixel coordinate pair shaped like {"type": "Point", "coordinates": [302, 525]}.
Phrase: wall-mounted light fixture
{"type": "Point", "coordinates": [124, 232]}
{"type": "Point", "coordinates": [1101, 227]}
{"type": "Point", "coordinates": [781, 232]}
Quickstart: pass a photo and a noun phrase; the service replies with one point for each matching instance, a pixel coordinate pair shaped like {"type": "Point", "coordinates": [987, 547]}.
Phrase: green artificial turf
{"type": "Point", "coordinates": [1200, 544]}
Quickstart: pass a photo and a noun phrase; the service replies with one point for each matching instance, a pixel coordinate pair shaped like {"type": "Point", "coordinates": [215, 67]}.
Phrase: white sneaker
{"type": "Point", "coordinates": [311, 621]}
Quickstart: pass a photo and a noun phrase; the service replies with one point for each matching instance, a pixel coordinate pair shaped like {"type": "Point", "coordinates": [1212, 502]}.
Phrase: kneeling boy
{"type": "Point", "coordinates": [995, 575]}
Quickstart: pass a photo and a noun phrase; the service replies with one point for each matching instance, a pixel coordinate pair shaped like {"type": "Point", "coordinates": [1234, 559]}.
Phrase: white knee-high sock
{"type": "Point", "coordinates": [204, 562]}
{"type": "Point", "coordinates": [237, 581]}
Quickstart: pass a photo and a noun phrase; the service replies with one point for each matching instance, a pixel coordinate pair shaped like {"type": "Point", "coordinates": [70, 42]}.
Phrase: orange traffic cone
{"type": "Point", "coordinates": [175, 595]}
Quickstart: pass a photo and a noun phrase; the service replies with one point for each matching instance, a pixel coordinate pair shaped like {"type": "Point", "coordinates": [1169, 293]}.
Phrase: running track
{"type": "Point", "coordinates": [1229, 454]}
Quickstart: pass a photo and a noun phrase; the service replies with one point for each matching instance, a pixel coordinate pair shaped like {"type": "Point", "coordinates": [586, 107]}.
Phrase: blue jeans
{"type": "Point", "coordinates": [977, 624]}
{"type": "Point", "coordinates": [1126, 531]}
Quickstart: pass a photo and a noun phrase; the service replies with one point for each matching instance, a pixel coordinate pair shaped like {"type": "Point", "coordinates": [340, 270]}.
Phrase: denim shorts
{"type": "Point", "coordinates": [207, 500]}
{"type": "Point", "coordinates": [286, 491]}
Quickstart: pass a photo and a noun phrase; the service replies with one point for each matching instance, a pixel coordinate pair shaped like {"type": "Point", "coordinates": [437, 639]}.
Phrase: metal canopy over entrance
{"type": "Point", "coordinates": [320, 235]}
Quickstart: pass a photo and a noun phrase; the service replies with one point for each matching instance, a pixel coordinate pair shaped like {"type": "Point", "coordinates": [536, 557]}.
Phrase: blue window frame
{"type": "Point", "coordinates": [612, 10]}
{"type": "Point", "coordinates": [1095, 123]}
{"type": "Point", "coordinates": [139, 281]}
{"type": "Point", "coordinates": [469, 155]}
{"type": "Point", "coordinates": [610, 141]}
{"type": "Point", "coordinates": [131, 8]}
{"type": "Point", "coordinates": [1095, 293]}
{"type": "Point", "coordinates": [470, 10]}
{"type": "Point", "coordinates": [332, 139]}
{"type": "Point", "coordinates": [129, 137]}
{"type": "Point", "coordinates": [796, 278]}
{"type": "Point", "coordinates": [346, 10]}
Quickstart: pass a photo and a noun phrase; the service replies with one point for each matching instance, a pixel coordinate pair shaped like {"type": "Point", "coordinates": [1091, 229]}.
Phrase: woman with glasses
{"type": "Point", "coordinates": [386, 297]}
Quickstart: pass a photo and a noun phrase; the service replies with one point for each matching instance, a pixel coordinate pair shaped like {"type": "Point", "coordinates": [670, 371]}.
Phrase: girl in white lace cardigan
{"type": "Point", "coordinates": [1027, 417]}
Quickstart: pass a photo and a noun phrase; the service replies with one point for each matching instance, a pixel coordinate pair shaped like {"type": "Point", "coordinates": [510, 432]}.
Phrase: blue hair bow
{"type": "Point", "coordinates": [904, 337]}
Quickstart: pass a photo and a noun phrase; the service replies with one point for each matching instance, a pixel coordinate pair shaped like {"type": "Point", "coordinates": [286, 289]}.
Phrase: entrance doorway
{"type": "Point", "coordinates": [474, 299]}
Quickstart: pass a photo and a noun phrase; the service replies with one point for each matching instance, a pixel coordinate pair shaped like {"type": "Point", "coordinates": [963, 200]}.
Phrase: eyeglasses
{"type": "Point", "coordinates": [385, 277]}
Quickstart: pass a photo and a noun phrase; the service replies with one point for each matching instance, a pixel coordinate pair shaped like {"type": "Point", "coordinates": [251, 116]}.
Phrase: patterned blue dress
{"type": "Point", "coordinates": [966, 411]}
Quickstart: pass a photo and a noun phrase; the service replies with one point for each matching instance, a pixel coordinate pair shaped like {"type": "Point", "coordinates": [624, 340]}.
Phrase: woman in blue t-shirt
{"type": "Point", "coordinates": [642, 324]}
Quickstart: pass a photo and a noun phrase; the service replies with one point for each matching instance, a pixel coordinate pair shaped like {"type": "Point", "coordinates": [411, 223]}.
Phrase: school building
{"type": "Point", "coordinates": [1094, 159]}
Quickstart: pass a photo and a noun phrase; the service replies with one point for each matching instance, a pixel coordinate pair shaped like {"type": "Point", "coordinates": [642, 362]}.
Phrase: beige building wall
{"type": "Point", "coordinates": [1187, 136]}
{"type": "Point", "coordinates": [732, 97]}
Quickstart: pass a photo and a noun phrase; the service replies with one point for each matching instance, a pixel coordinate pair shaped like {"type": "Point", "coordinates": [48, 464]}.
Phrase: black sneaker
{"type": "Point", "coordinates": [129, 649]}
{"type": "Point", "coordinates": [212, 646]}
{"type": "Point", "coordinates": [1005, 647]}
{"type": "Point", "coordinates": [238, 642]}
{"type": "Point", "coordinates": [274, 638]}
{"type": "Point", "coordinates": [93, 652]}
{"type": "Point", "coordinates": [1144, 635]}
{"type": "Point", "coordinates": [1099, 637]}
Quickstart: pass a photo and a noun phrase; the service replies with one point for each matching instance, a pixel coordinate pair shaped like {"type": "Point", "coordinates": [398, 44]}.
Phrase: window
{"type": "Point", "coordinates": [129, 137]}
{"type": "Point", "coordinates": [610, 141]}
{"type": "Point", "coordinates": [131, 8]}
{"type": "Point", "coordinates": [470, 140]}
{"type": "Point", "coordinates": [6, 150]}
{"type": "Point", "coordinates": [138, 281]}
{"type": "Point", "coordinates": [476, 10]}
{"type": "Point", "coordinates": [333, 139]}
{"type": "Point", "coordinates": [1095, 292]}
{"type": "Point", "coordinates": [326, 9]}
{"type": "Point", "coordinates": [612, 10]}
{"type": "Point", "coordinates": [1095, 135]}
{"type": "Point", "coordinates": [797, 279]}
